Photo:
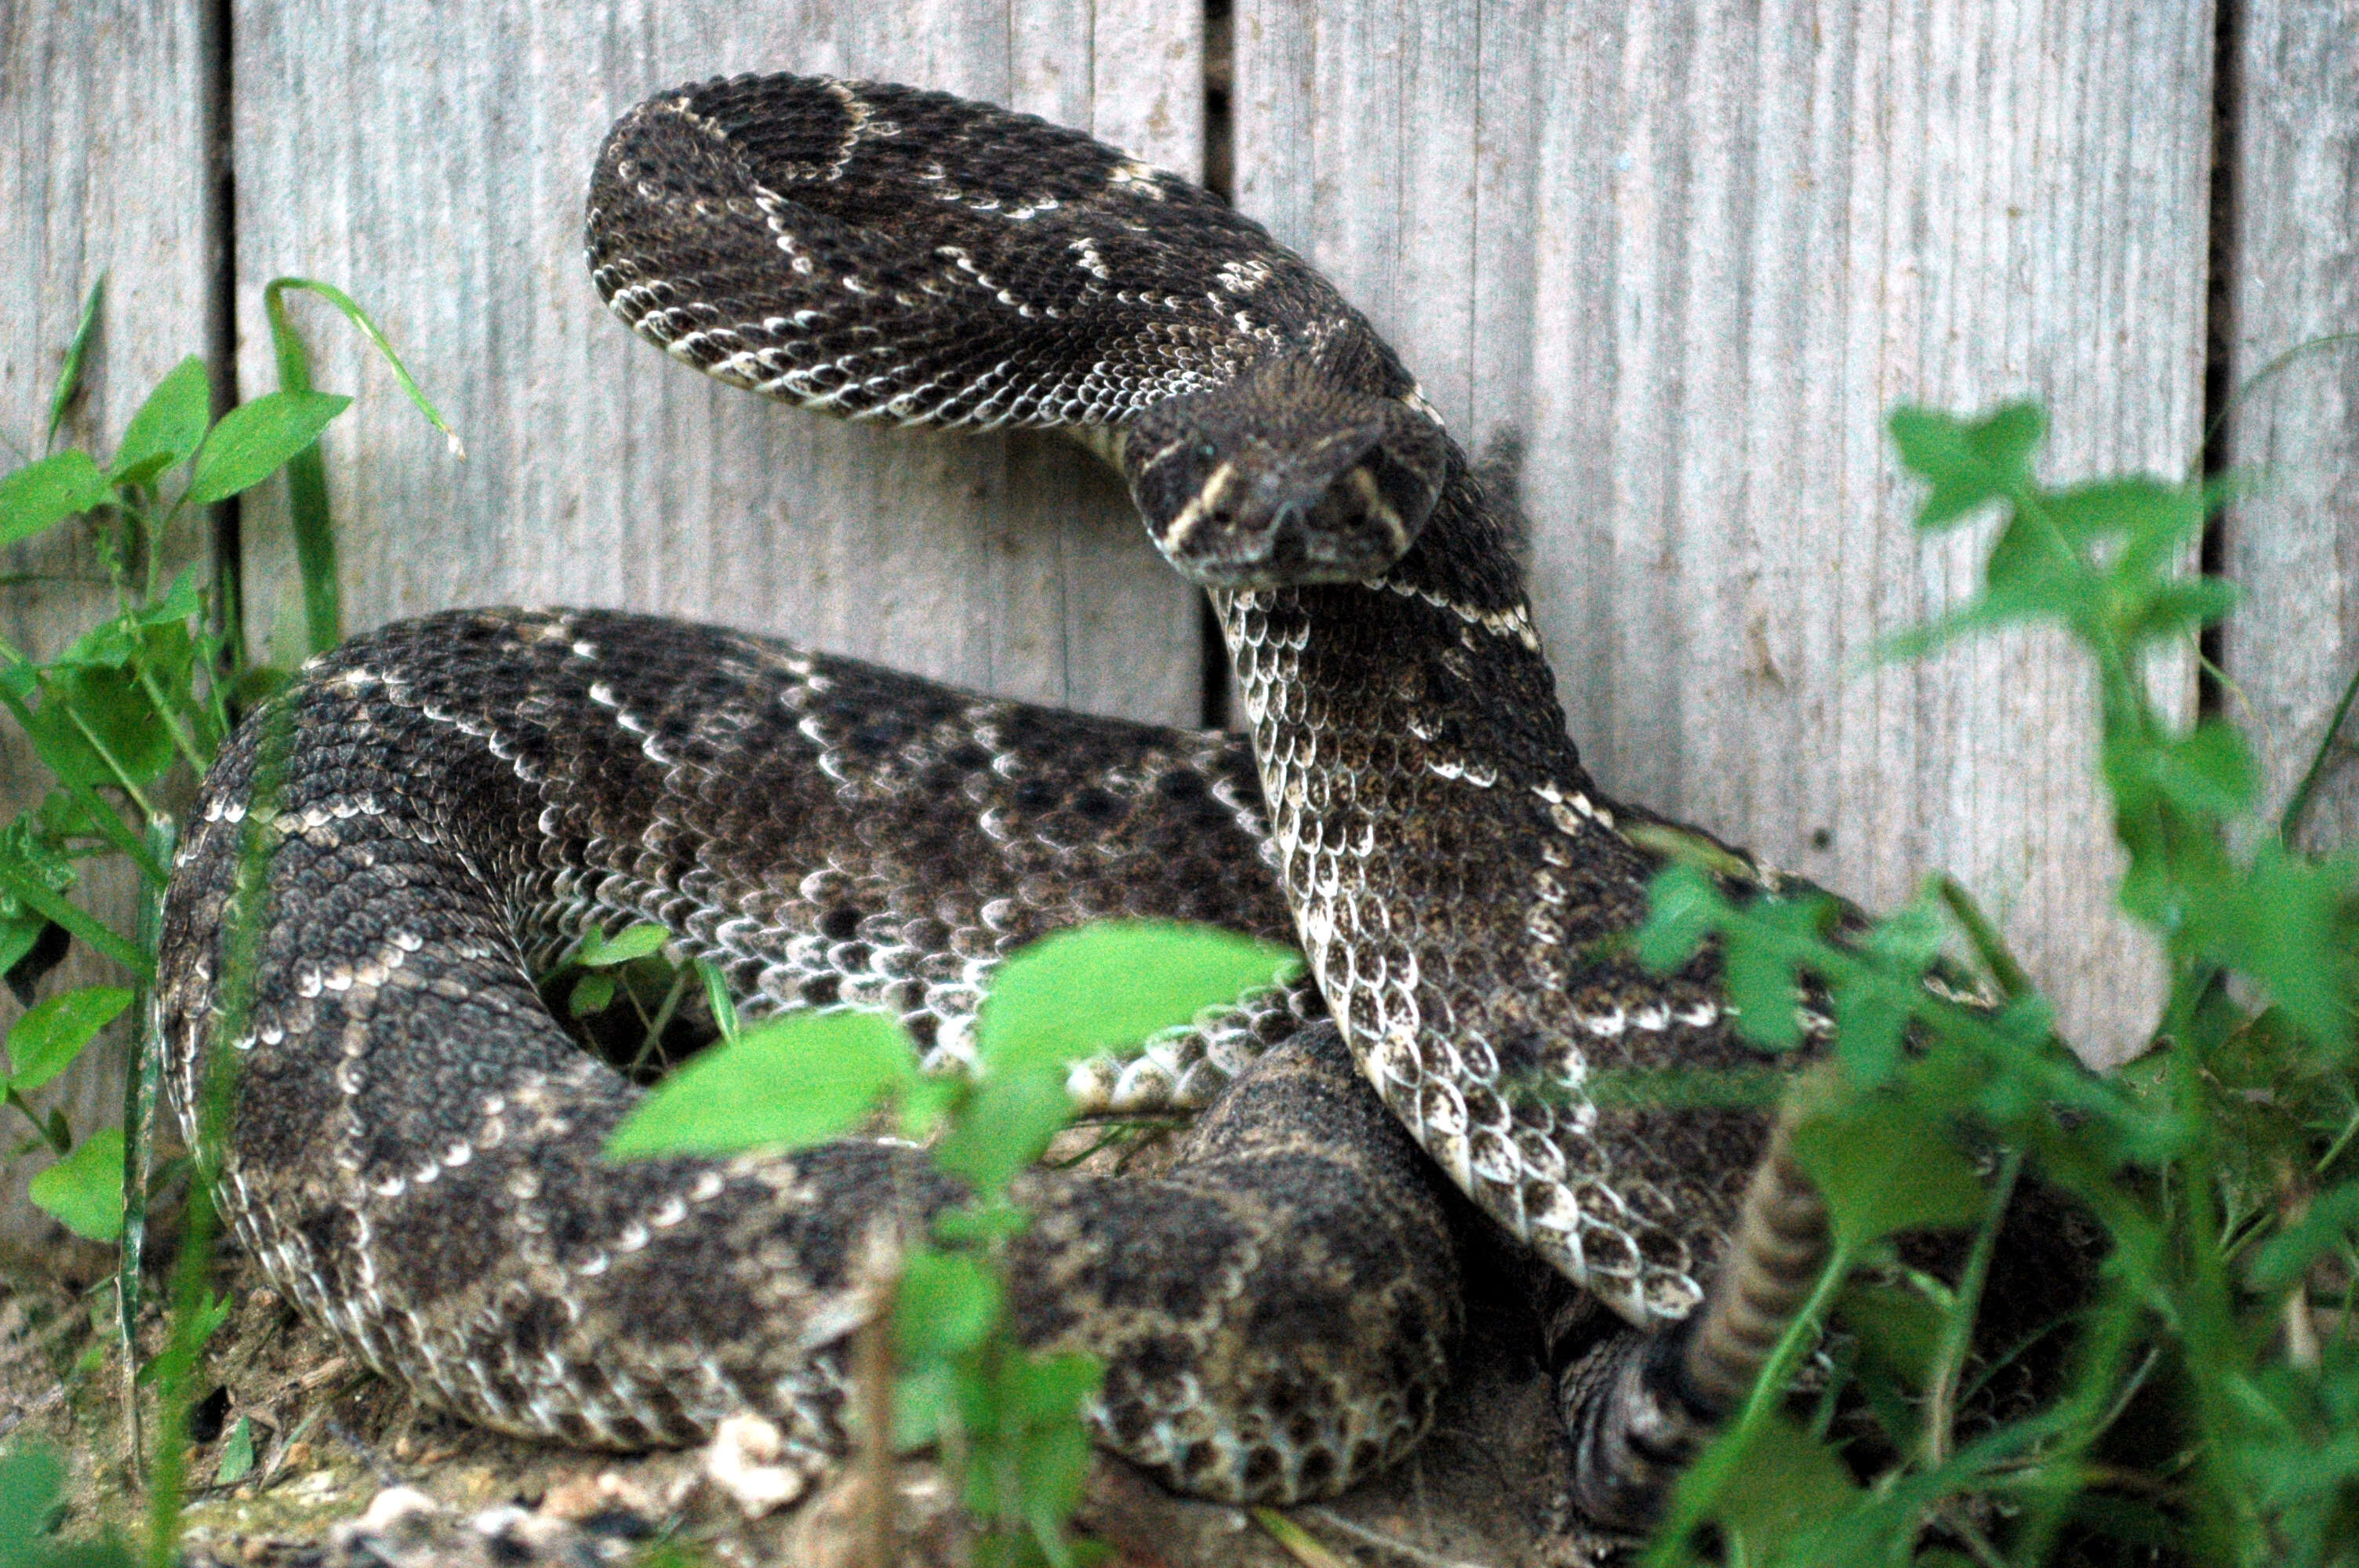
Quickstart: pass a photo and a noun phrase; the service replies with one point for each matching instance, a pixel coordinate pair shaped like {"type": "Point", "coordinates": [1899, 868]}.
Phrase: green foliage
{"type": "Point", "coordinates": [1006, 1421]}
{"type": "Point", "coordinates": [120, 721]}
{"type": "Point", "coordinates": [32, 1488]}
{"type": "Point", "coordinates": [2216, 1166]}
{"type": "Point", "coordinates": [84, 1191]}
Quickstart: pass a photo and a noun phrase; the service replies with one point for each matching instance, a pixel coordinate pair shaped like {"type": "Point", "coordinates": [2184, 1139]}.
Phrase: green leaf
{"type": "Point", "coordinates": [2177, 609]}
{"type": "Point", "coordinates": [1899, 1330]}
{"type": "Point", "coordinates": [1006, 1127]}
{"type": "Point", "coordinates": [42, 493]}
{"type": "Point", "coordinates": [44, 1042]}
{"type": "Point", "coordinates": [1761, 989]}
{"type": "Point", "coordinates": [77, 351]}
{"type": "Point", "coordinates": [2207, 772]}
{"type": "Point", "coordinates": [1884, 1167]}
{"type": "Point", "coordinates": [2284, 924]}
{"type": "Point", "coordinates": [255, 439]}
{"type": "Point", "coordinates": [592, 995]}
{"type": "Point", "coordinates": [2137, 506]}
{"type": "Point", "coordinates": [1051, 1475]}
{"type": "Point", "coordinates": [170, 425]}
{"type": "Point", "coordinates": [2284, 1257]}
{"type": "Point", "coordinates": [923, 1396]}
{"type": "Point", "coordinates": [1684, 908]}
{"type": "Point", "coordinates": [717, 998]}
{"type": "Point", "coordinates": [1787, 1485]}
{"type": "Point", "coordinates": [946, 1303]}
{"type": "Point", "coordinates": [1968, 463]}
{"type": "Point", "coordinates": [237, 1454]}
{"type": "Point", "coordinates": [1051, 1387]}
{"type": "Point", "coordinates": [20, 931]}
{"type": "Point", "coordinates": [785, 1085]}
{"type": "Point", "coordinates": [1870, 1020]}
{"type": "Point", "coordinates": [114, 712]}
{"type": "Point", "coordinates": [1109, 985]}
{"type": "Point", "coordinates": [84, 1191]}
{"type": "Point", "coordinates": [31, 1483]}
{"type": "Point", "coordinates": [600, 951]}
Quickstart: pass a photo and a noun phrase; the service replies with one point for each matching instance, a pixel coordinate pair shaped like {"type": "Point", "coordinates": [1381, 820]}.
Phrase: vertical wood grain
{"type": "Point", "coordinates": [2293, 244]}
{"type": "Point", "coordinates": [433, 161]}
{"type": "Point", "coordinates": [102, 169]}
{"type": "Point", "coordinates": [1692, 253]}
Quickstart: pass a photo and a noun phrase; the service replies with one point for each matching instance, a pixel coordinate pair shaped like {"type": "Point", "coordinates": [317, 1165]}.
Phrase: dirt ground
{"type": "Point", "coordinates": [347, 1468]}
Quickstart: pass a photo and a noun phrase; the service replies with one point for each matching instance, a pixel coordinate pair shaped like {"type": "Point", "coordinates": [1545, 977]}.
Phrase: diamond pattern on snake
{"type": "Point", "coordinates": [413, 1147]}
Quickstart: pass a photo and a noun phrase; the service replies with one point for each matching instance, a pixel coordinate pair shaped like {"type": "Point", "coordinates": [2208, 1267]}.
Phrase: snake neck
{"type": "Point", "coordinates": [1456, 879]}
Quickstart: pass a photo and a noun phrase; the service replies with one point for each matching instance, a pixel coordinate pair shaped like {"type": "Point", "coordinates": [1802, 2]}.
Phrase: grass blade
{"type": "Point", "coordinates": [69, 373]}
{"type": "Point", "coordinates": [306, 472]}
{"type": "Point", "coordinates": [35, 894]}
{"type": "Point", "coordinates": [139, 1090]}
{"type": "Point", "coordinates": [2296, 805]}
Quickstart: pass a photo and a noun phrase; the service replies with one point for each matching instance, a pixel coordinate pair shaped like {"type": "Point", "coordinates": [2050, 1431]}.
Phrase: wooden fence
{"type": "Point", "coordinates": [1687, 254]}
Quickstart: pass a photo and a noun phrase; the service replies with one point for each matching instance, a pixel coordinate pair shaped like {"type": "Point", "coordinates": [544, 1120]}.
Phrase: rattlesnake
{"type": "Point", "coordinates": [413, 1148]}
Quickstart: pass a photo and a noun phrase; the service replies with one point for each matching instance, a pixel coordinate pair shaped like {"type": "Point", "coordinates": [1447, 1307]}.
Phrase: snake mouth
{"type": "Point", "coordinates": [1267, 531]}
{"type": "Point", "coordinates": [1278, 479]}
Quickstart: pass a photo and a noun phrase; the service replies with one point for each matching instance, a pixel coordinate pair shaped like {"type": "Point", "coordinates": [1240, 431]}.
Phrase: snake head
{"type": "Point", "coordinates": [1282, 476]}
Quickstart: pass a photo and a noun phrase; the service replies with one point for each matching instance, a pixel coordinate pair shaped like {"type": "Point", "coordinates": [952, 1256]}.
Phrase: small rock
{"type": "Point", "coordinates": [743, 1464]}
{"type": "Point", "coordinates": [392, 1506]}
{"type": "Point", "coordinates": [573, 1500]}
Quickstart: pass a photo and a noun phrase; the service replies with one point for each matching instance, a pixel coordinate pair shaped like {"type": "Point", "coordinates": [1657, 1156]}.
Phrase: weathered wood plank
{"type": "Point", "coordinates": [1692, 253]}
{"type": "Point", "coordinates": [2293, 250]}
{"type": "Point", "coordinates": [102, 169]}
{"type": "Point", "coordinates": [433, 161]}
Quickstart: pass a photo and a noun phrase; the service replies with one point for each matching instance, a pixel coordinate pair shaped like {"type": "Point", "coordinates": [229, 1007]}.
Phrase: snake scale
{"type": "Point", "coordinates": [412, 1149]}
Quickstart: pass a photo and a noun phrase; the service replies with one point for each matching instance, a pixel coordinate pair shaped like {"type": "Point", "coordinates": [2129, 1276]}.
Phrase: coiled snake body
{"type": "Point", "coordinates": [413, 1148]}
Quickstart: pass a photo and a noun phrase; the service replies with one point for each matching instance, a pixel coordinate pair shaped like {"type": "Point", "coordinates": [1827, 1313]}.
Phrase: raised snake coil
{"type": "Point", "coordinates": [413, 1149]}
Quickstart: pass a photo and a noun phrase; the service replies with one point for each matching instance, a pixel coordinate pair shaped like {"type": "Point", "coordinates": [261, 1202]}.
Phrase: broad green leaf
{"type": "Point", "coordinates": [184, 600]}
{"type": "Point", "coordinates": [1684, 909]}
{"type": "Point", "coordinates": [237, 1454]}
{"type": "Point", "coordinates": [600, 951]}
{"type": "Point", "coordinates": [1969, 463]}
{"type": "Point", "coordinates": [2178, 609]}
{"type": "Point", "coordinates": [2139, 505]}
{"type": "Point", "coordinates": [592, 995]}
{"type": "Point", "coordinates": [1869, 1022]}
{"type": "Point", "coordinates": [1898, 1330]}
{"type": "Point", "coordinates": [1109, 985]}
{"type": "Point", "coordinates": [44, 1042]}
{"type": "Point", "coordinates": [785, 1085]}
{"type": "Point", "coordinates": [84, 1191]}
{"type": "Point", "coordinates": [111, 707]}
{"type": "Point", "coordinates": [42, 493]}
{"type": "Point", "coordinates": [1005, 1126]}
{"type": "Point", "coordinates": [2033, 573]}
{"type": "Point", "coordinates": [31, 1483]}
{"type": "Point", "coordinates": [170, 425]}
{"type": "Point", "coordinates": [946, 1304]}
{"type": "Point", "coordinates": [1052, 1386]}
{"type": "Point", "coordinates": [1785, 1486]}
{"type": "Point", "coordinates": [1883, 1166]}
{"type": "Point", "coordinates": [2283, 924]}
{"type": "Point", "coordinates": [923, 1396]}
{"type": "Point", "coordinates": [255, 439]}
{"type": "Point", "coordinates": [1761, 989]}
{"type": "Point", "coordinates": [1054, 1467]}
{"type": "Point", "coordinates": [2207, 772]}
